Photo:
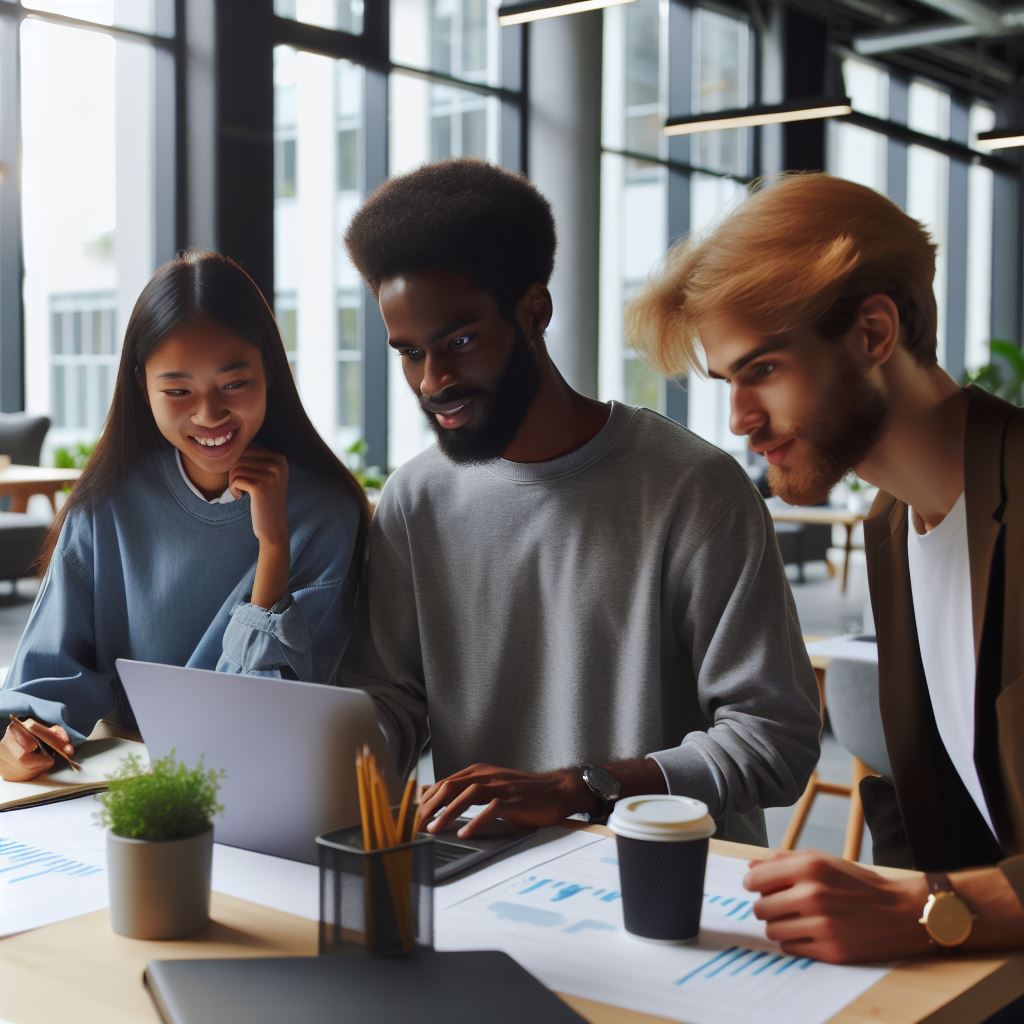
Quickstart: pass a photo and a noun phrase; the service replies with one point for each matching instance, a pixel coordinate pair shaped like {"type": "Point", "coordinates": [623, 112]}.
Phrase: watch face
{"type": "Point", "coordinates": [948, 920]}
{"type": "Point", "coordinates": [602, 782]}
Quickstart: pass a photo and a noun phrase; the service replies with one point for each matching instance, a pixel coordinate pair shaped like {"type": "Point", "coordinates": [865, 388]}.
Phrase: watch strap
{"type": "Point", "coordinates": [938, 881]}
{"type": "Point", "coordinates": [605, 804]}
{"type": "Point", "coordinates": [940, 889]}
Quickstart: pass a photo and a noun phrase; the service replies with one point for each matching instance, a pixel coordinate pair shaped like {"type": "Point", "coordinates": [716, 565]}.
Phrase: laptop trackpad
{"type": "Point", "coordinates": [452, 855]}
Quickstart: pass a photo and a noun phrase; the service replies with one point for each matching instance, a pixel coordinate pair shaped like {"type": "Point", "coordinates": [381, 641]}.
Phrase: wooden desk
{"type": "Point", "coordinates": [19, 483]}
{"type": "Point", "coordinates": [80, 968]}
{"type": "Point", "coordinates": [817, 515]}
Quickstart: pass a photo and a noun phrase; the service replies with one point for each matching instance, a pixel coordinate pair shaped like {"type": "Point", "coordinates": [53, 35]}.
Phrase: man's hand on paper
{"type": "Point", "coordinates": [830, 909]}
{"type": "Point", "coordinates": [20, 756]}
{"type": "Point", "coordinates": [523, 798]}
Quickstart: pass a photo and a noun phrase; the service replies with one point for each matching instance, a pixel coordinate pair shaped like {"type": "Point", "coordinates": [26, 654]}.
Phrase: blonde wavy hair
{"type": "Point", "coordinates": [803, 250]}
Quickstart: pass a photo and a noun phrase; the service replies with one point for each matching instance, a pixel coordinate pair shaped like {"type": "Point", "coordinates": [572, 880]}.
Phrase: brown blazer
{"type": "Point", "coordinates": [940, 826]}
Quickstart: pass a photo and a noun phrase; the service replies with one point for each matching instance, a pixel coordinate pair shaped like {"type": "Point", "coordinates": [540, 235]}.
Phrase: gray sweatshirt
{"type": "Point", "coordinates": [627, 599]}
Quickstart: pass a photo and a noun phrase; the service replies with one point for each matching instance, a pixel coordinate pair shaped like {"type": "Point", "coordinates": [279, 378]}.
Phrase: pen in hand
{"type": "Point", "coordinates": [44, 746]}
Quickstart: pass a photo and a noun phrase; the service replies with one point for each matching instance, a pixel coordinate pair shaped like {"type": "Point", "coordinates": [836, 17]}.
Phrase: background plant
{"type": "Point", "coordinates": [165, 800]}
{"type": "Point", "coordinates": [74, 457]}
{"type": "Point", "coordinates": [1003, 374]}
{"type": "Point", "coordinates": [371, 478]}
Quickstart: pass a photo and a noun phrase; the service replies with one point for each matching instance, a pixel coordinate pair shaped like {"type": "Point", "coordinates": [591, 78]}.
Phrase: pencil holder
{"type": "Point", "coordinates": [380, 901]}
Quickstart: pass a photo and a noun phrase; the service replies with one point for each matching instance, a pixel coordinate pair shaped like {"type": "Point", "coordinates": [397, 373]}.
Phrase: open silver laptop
{"type": "Point", "coordinates": [288, 749]}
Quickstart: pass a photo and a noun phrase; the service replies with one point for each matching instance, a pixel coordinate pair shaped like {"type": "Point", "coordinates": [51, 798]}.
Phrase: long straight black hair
{"type": "Point", "coordinates": [190, 289]}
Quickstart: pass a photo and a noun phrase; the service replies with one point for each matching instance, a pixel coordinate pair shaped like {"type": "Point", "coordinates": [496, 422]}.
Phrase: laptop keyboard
{"type": "Point", "coordinates": [448, 853]}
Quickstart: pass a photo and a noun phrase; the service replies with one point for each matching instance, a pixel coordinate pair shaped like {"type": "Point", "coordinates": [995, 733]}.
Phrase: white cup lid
{"type": "Point", "coordinates": [661, 817]}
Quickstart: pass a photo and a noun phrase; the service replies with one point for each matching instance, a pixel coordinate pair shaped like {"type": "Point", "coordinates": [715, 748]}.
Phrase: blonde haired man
{"type": "Point", "coordinates": [813, 301]}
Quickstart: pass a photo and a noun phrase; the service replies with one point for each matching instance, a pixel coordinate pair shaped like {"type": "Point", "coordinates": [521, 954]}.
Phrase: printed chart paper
{"type": "Point", "coordinates": [53, 864]}
{"type": "Point", "coordinates": [562, 920]}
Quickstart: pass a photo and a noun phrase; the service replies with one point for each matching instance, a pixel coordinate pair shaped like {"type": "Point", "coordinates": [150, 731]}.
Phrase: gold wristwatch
{"type": "Point", "coordinates": [946, 918]}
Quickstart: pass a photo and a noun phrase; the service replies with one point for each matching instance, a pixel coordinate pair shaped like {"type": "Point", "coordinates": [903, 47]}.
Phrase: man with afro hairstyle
{"type": "Point", "coordinates": [583, 599]}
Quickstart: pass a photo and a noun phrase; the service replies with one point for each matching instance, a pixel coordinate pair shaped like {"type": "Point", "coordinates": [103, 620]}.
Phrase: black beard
{"type": "Point", "coordinates": [850, 426]}
{"type": "Point", "coordinates": [505, 406]}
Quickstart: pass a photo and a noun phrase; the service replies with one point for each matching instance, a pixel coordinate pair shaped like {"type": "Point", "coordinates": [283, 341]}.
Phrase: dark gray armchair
{"type": "Point", "coordinates": [21, 535]}
{"type": "Point", "coordinates": [22, 436]}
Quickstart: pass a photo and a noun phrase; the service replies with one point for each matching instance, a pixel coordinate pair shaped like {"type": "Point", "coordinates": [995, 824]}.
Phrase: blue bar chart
{"type": "Point", "coordinates": [730, 906]}
{"type": "Point", "coordinates": [42, 881]}
{"type": "Point", "coordinates": [559, 891]}
{"type": "Point", "coordinates": [21, 863]}
{"type": "Point", "coordinates": [737, 960]}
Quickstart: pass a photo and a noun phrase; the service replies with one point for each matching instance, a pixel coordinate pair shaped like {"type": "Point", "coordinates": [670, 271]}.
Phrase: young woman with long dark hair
{"type": "Point", "coordinates": [213, 527]}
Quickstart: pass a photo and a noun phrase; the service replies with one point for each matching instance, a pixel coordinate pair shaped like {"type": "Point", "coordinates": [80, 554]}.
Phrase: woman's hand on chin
{"type": "Point", "coordinates": [263, 475]}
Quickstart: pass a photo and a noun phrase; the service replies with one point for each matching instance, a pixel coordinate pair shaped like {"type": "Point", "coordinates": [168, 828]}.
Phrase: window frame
{"type": "Point", "coordinates": [169, 167]}
{"type": "Point", "coordinates": [955, 146]}
{"type": "Point", "coordinates": [372, 50]}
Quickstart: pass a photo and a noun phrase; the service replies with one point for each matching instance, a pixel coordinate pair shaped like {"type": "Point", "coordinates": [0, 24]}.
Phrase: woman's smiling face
{"type": "Point", "coordinates": [207, 389]}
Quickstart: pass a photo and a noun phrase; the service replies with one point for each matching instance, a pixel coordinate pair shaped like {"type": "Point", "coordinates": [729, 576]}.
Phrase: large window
{"type": "Point", "coordinates": [651, 191]}
{"type": "Point", "coordinates": [928, 186]}
{"type": "Point", "coordinates": [447, 95]}
{"type": "Point", "coordinates": [918, 169]}
{"type": "Point", "coordinates": [343, 15]}
{"type": "Point", "coordinates": [94, 196]}
{"type": "Point", "coordinates": [858, 153]}
{"type": "Point", "coordinates": [980, 210]}
{"type": "Point", "coordinates": [318, 170]}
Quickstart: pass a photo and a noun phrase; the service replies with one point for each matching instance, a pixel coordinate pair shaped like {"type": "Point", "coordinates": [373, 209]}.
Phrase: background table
{"type": "Point", "coordinates": [19, 483]}
{"type": "Point", "coordinates": [783, 513]}
{"type": "Point", "coordinates": [80, 969]}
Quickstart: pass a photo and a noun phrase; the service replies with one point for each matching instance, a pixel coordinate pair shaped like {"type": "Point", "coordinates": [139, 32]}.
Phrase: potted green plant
{"type": "Point", "coordinates": [159, 821]}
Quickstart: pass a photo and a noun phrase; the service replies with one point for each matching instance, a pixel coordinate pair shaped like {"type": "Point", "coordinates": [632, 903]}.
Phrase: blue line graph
{"type": "Point", "coordinates": [27, 862]}
{"type": "Point", "coordinates": [740, 960]}
{"type": "Point", "coordinates": [561, 891]}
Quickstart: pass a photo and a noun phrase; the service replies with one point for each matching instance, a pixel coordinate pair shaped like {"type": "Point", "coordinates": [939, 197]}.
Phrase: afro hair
{"type": "Point", "coordinates": [461, 215]}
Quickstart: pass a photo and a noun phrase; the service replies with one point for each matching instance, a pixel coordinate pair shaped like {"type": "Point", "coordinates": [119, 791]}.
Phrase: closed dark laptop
{"type": "Point", "coordinates": [428, 987]}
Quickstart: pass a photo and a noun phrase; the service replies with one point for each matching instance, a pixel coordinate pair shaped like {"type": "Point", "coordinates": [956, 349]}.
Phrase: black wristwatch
{"type": "Point", "coordinates": [605, 788]}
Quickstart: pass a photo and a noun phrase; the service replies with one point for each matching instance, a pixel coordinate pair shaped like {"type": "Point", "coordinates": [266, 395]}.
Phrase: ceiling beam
{"type": "Point", "coordinates": [982, 15]}
{"type": "Point", "coordinates": [1009, 21]}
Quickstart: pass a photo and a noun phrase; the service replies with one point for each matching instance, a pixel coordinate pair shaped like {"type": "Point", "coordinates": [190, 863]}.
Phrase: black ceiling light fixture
{"type": "Point", "coordinates": [517, 12]}
{"type": "Point", "coordinates": [1001, 138]}
{"type": "Point", "coordinates": [760, 114]}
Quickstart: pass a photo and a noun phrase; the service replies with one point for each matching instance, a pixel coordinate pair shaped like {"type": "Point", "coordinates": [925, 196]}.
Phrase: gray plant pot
{"type": "Point", "coordinates": [159, 890]}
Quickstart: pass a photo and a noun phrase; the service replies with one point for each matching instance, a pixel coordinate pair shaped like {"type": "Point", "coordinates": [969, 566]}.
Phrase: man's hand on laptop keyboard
{"type": "Point", "coordinates": [523, 798]}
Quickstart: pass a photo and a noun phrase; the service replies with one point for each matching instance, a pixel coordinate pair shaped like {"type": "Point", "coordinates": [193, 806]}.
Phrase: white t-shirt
{"type": "Point", "coordinates": [940, 580]}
